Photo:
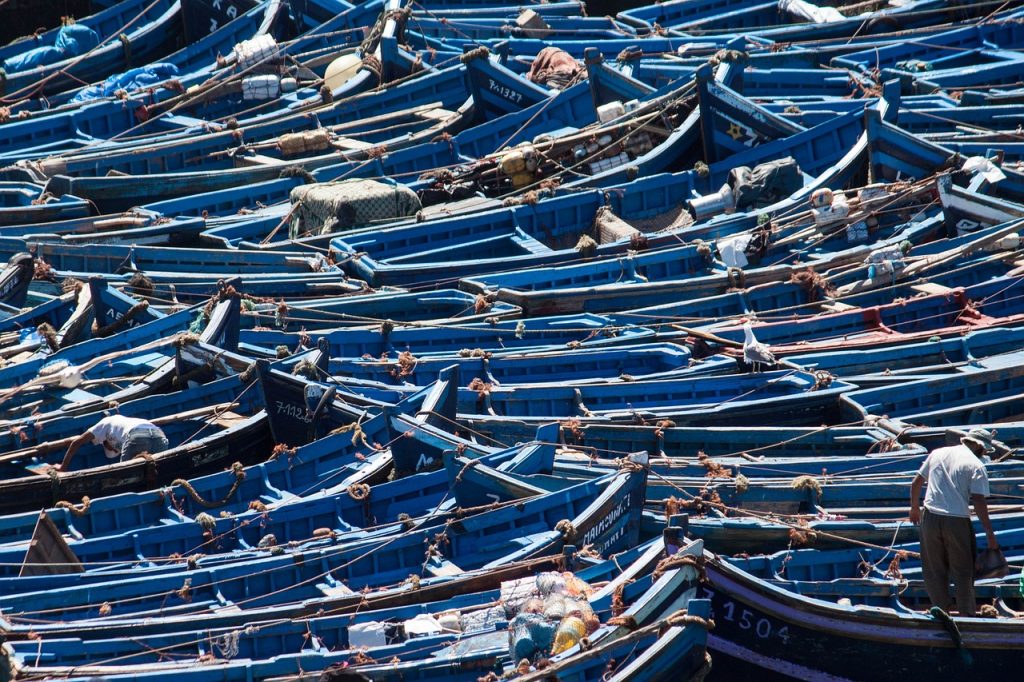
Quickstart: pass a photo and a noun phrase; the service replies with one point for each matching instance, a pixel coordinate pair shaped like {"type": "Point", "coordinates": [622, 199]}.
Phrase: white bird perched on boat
{"type": "Point", "coordinates": [755, 353]}
{"type": "Point", "coordinates": [62, 373]}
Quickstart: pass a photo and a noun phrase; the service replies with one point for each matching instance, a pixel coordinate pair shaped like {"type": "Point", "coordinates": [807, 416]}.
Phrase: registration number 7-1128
{"type": "Point", "coordinates": [726, 610]}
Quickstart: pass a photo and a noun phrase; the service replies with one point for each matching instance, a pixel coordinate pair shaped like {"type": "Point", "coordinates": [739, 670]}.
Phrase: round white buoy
{"type": "Point", "coordinates": [341, 70]}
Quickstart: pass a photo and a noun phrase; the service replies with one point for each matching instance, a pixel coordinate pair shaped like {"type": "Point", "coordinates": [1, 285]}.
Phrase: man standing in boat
{"type": "Point", "coordinates": [121, 437]}
{"type": "Point", "coordinates": [956, 478]}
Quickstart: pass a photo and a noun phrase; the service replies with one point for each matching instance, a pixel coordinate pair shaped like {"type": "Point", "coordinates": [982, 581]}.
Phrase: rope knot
{"type": "Point", "coordinates": [802, 537]}
{"type": "Point", "coordinates": [469, 465]}
{"type": "Point", "coordinates": [281, 449]}
{"type": "Point", "coordinates": [120, 323]}
{"type": "Point", "coordinates": [239, 472]}
{"type": "Point", "coordinates": [680, 561]}
{"type": "Point", "coordinates": [683, 618]}
{"type": "Point", "coordinates": [482, 388]}
{"type": "Point", "coordinates": [358, 491]}
{"type": "Point", "coordinates": [76, 509]}
{"type": "Point", "coordinates": [807, 482]}
{"type": "Point", "coordinates": [185, 339]}
{"type": "Point", "coordinates": [205, 521]}
{"type": "Point", "coordinates": [476, 53]}
{"type": "Point", "coordinates": [822, 379]}
{"type": "Point", "coordinates": [307, 369]}
{"type": "Point", "coordinates": [357, 433]}
{"type": "Point", "coordinates": [628, 622]}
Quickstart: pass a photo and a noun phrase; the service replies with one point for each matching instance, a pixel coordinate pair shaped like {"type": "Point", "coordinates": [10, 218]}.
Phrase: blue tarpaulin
{"type": "Point", "coordinates": [72, 41]}
{"type": "Point", "coordinates": [130, 80]}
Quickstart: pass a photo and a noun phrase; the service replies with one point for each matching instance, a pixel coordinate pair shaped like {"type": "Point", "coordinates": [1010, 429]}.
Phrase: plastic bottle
{"type": "Point", "coordinates": [570, 631]}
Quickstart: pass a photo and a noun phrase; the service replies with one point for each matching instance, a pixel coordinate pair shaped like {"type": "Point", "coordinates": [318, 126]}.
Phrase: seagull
{"type": "Point", "coordinates": [755, 353]}
{"type": "Point", "coordinates": [62, 373]}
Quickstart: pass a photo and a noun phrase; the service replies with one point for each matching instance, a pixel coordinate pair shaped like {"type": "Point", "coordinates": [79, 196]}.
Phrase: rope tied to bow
{"type": "Point", "coordinates": [466, 467]}
{"type": "Point", "coordinates": [247, 374]}
{"type": "Point", "coordinates": [281, 449]}
{"type": "Point", "coordinates": [49, 335]}
{"type": "Point", "coordinates": [54, 483]}
{"type": "Point", "coordinates": [680, 561]}
{"type": "Point", "coordinates": [185, 339]}
{"type": "Point", "coordinates": [120, 323]}
{"type": "Point", "coordinates": [628, 622]}
{"type": "Point", "coordinates": [239, 472]}
{"type": "Point", "coordinates": [76, 509]}
{"type": "Point", "coordinates": [806, 482]}
{"type": "Point", "coordinates": [357, 433]}
{"type": "Point", "coordinates": [476, 53]}
{"type": "Point", "coordinates": [626, 464]}
{"type": "Point", "coordinates": [567, 530]}
{"type": "Point", "coordinates": [822, 379]}
{"type": "Point", "coordinates": [737, 278]}
{"type": "Point", "coordinates": [812, 283]}
{"type": "Point", "coordinates": [681, 617]}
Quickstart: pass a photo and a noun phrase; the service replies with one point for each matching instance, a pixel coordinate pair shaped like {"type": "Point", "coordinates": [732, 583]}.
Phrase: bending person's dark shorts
{"type": "Point", "coordinates": [143, 439]}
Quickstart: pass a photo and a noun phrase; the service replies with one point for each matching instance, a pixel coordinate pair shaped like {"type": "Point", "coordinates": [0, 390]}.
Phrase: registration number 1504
{"type": "Point", "coordinates": [724, 609]}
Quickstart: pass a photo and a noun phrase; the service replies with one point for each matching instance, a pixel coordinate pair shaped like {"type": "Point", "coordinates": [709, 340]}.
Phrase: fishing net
{"type": "Point", "coordinates": [337, 206]}
{"type": "Point", "coordinates": [610, 227]}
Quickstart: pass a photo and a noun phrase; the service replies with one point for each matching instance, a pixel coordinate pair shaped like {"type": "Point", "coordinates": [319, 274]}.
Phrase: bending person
{"type": "Point", "coordinates": [122, 438]}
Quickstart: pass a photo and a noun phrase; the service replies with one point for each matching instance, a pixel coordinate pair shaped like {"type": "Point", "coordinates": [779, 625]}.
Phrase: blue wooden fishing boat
{"type": "Point", "coordinates": [240, 440]}
{"type": "Point", "coordinates": [765, 22]}
{"type": "Point", "coordinates": [571, 331]}
{"type": "Point", "coordinates": [585, 507]}
{"type": "Point", "coordinates": [759, 535]}
{"type": "Point", "coordinates": [864, 497]}
{"type": "Point", "coordinates": [433, 308]}
{"type": "Point", "coordinates": [783, 22]}
{"type": "Point", "coordinates": [816, 568]}
{"type": "Point", "coordinates": [904, 361]}
{"type": "Point", "coordinates": [296, 521]}
{"type": "Point", "coordinates": [634, 362]}
{"type": "Point", "coordinates": [782, 397]}
{"type": "Point", "coordinates": [104, 259]}
{"type": "Point", "coordinates": [651, 603]}
{"type": "Point", "coordinates": [90, 49]}
{"type": "Point", "coordinates": [72, 121]}
{"type": "Point", "coordinates": [804, 633]}
{"type": "Point", "coordinates": [650, 613]}
{"type": "Point", "coordinates": [15, 279]}
{"type": "Point", "coordinates": [332, 461]}
{"type": "Point", "coordinates": [983, 396]}
{"type": "Point", "coordinates": [939, 62]}
{"type": "Point", "coordinates": [22, 202]}
{"type": "Point", "coordinates": [951, 311]}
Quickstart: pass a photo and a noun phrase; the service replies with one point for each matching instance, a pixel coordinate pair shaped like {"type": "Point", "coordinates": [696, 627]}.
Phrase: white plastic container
{"type": "Point", "coordinates": [369, 634]}
{"type": "Point", "coordinates": [261, 87]}
{"type": "Point", "coordinates": [252, 52]}
{"type": "Point", "coordinates": [610, 111]}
